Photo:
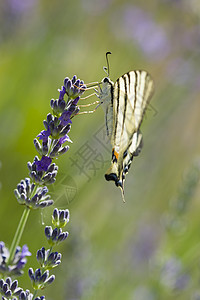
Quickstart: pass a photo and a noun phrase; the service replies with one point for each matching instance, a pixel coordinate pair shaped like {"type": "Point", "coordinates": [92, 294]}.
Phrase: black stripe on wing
{"type": "Point", "coordinates": [134, 149]}
{"type": "Point", "coordinates": [117, 110]}
{"type": "Point", "coordinates": [135, 87]}
{"type": "Point", "coordinates": [125, 101]}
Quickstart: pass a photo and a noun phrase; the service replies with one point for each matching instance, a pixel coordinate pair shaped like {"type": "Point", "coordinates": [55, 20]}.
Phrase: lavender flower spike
{"type": "Point", "coordinates": [32, 192]}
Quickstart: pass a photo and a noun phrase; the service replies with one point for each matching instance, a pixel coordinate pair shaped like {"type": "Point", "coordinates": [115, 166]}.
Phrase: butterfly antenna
{"type": "Point", "coordinates": [107, 69]}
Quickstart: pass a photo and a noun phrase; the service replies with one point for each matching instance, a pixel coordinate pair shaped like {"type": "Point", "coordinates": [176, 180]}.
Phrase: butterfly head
{"type": "Point", "coordinates": [106, 79]}
{"type": "Point", "coordinates": [106, 82]}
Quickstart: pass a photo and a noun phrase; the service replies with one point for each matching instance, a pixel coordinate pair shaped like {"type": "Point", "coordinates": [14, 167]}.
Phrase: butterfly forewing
{"type": "Point", "coordinates": [131, 94]}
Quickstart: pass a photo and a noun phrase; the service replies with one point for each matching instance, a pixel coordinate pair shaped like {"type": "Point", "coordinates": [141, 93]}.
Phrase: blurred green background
{"type": "Point", "coordinates": [149, 247]}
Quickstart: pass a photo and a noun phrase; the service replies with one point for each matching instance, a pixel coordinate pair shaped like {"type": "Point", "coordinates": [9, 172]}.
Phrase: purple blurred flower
{"type": "Point", "coordinates": [145, 243]}
{"type": "Point", "coordinates": [18, 263]}
{"type": "Point", "coordinates": [135, 24]}
{"type": "Point", "coordinates": [25, 252]}
{"type": "Point", "coordinates": [20, 6]}
{"type": "Point", "coordinates": [43, 164]}
{"type": "Point", "coordinates": [4, 254]}
{"type": "Point", "coordinates": [172, 275]}
{"type": "Point", "coordinates": [181, 282]}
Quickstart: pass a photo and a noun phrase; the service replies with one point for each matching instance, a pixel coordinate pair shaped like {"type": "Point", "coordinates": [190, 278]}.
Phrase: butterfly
{"type": "Point", "coordinates": [124, 103]}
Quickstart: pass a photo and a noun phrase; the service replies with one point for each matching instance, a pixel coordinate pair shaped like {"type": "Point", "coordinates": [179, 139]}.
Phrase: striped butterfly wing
{"type": "Point", "coordinates": [131, 95]}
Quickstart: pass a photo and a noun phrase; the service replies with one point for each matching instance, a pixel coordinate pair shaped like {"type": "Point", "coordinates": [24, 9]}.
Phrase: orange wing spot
{"type": "Point", "coordinates": [116, 154]}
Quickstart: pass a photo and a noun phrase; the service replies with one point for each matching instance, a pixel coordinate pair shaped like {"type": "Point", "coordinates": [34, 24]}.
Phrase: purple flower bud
{"type": "Point", "coordinates": [74, 79]}
{"type": "Point", "coordinates": [38, 273]}
{"type": "Point", "coordinates": [62, 93]}
{"type": "Point", "coordinates": [64, 139]}
{"type": "Point", "coordinates": [46, 124]}
{"type": "Point", "coordinates": [29, 165]}
{"type": "Point", "coordinates": [49, 118]}
{"type": "Point", "coordinates": [77, 83]}
{"type": "Point", "coordinates": [40, 257]}
{"type": "Point", "coordinates": [47, 177]}
{"type": "Point", "coordinates": [8, 281]}
{"type": "Point", "coordinates": [31, 273]}
{"type": "Point", "coordinates": [44, 276]}
{"type": "Point", "coordinates": [48, 231]}
{"type": "Point", "coordinates": [65, 81]}
{"type": "Point", "coordinates": [63, 150]}
{"type": "Point", "coordinates": [50, 279]}
{"type": "Point", "coordinates": [75, 101]}
{"type": "Point", "coordinates": [69, 84]}
{"type": "Point", "coordinates": [45, 203]}
{"type": "Point", "coordinates": [55, 214]}
{"type": "Point", "coordinates": [14, 285]}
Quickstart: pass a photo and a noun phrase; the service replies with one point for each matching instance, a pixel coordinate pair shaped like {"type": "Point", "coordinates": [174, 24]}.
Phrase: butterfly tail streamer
{"type": "Point", "coordinates": [122, 190]}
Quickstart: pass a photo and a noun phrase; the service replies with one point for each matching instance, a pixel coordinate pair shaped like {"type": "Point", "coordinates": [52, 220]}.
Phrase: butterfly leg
{"type": "Point", "coordinates": [89, 104]}
{"type": "Point", "coordinates": [88, 96]}
{"type": "Point", "coordinates": [90, 111]}
{"type": "Point", "coordinates": [98, 91]}
{"type": "Point", "coordinates": [99, 103]}
{"type": "Point", "coordinates": [86, 112]}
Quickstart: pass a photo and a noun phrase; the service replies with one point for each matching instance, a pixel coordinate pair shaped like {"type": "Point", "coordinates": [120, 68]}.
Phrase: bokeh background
{"type": "Point", "coordinates": [148, 248]}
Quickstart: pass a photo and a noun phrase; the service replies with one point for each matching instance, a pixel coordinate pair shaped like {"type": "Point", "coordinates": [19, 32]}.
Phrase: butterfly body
{"type": "Point", "coordinates": [105, 95]}
{"type": "Point", "coordinates": [124, 103]}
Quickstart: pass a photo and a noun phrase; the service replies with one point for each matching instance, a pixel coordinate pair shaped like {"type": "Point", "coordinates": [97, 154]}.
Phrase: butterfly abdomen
{"type": "Point", "coordinates": [106, 98]}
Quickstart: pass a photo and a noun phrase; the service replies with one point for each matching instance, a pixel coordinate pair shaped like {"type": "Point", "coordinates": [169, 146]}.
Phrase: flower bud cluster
{"type": "Point", "coordinates": [24, 195]}
{"type": "Point", "coordinates": [10, 288]}
{"type": "Point", "coordinates": [26, 295]}
{"type": "Point", "coordinates": [55, 236]}
{"type": "Point", "coordinates": [48, 260]}
{"type": "Point", "coordinates": [43, 171]}
{"type": "Point", "coordinates": [60, 217]}
{"type": "Point", "coordinates": [57, 125]}
{"type": "Point", "coordinates": [40, 279]}
{"type": "Point", "coordinates": [74, 87]}
{"type": "Point", "coordinates": [32, 192]}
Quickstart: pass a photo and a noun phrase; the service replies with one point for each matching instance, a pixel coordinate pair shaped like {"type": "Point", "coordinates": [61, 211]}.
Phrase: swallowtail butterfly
{"type": "Point", "coordinates": [124, 103]}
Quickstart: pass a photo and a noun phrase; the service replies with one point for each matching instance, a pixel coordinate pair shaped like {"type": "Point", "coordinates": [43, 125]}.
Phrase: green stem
{"type": "Point", "coordinates": [35, 294]}
{"type": "Point", "coordinates": [18, 234]}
